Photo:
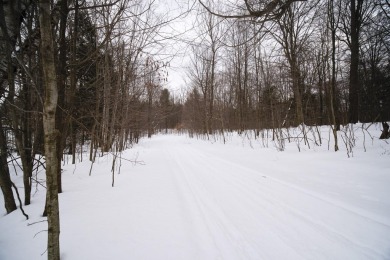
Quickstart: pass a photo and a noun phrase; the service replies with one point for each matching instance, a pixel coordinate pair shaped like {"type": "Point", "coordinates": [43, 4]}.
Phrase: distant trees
{"type": "Point", "coordinates": [169, 111]}
{"type": "Point", "coordinates": [374, 65]}
{"type": "Point", "coordinates": [295, 63]}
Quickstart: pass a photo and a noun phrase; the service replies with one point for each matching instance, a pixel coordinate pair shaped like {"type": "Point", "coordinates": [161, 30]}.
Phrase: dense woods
{"type": "Point", "coordinates": [76, 73]}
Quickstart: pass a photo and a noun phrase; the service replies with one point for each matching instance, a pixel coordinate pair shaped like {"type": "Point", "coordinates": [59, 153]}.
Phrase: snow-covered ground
{"type": "Point", "coordinates": [202, 199]}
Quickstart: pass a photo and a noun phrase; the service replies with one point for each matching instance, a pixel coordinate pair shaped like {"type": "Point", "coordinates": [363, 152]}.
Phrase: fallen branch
{"type": "Point", "coordinates": [33, 223]}
{"type": "Point", "coordinates": [39, 233]}
{"type": "Point", "coordinates": [134, 162]}
{"type": "Point", "coordinates": [20, 201]}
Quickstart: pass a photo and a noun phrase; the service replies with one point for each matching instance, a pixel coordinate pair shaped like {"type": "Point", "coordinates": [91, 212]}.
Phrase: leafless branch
{"type": "Point", "coordinates": [33, 223]}
{"type": "Point", "coordinates": [272, 11]}
{"type": "Point", "coordinates": [94, 6]}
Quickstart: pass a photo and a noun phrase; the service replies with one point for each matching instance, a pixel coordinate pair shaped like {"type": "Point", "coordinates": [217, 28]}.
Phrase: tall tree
{"type": "Point", "coordinates": [61, 84]}
{"type": "Point", "coordinates": [50, 131]}
{"type": "Point", "coordinates": [332, 26]}
{"type": "Point", "coordinates": [295, 29]}
{"type": "Point", "coordinates": [354, 22]}
{"type": "Point", "coordinates": [355, 26]}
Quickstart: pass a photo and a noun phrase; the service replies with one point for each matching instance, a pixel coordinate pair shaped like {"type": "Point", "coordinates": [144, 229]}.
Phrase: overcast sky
{"type": "Point", "coordinates": [182, 33]}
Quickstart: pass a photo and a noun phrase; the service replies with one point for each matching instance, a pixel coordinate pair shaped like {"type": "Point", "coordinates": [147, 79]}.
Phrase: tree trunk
{"type": "Point", "coordinates": [5, 179]}
{"type": "Point", "coordinates": [332, 98]}
{"type": "Point", "coordinates": [61, 122]}
{"type": "Point", "coordinates": [295, 75]}
{"type": "Point", "coordinates": [354, 66]}
{"type": "Point", "coordinates": [49, 113]}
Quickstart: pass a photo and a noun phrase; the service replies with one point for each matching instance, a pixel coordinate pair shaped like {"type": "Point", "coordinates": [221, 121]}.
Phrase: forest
{"type": "Point", "coordinates": [76, 72]}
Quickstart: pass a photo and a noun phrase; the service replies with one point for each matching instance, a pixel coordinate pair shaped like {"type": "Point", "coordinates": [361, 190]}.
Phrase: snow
{"type": "Point", "coordinates": [190, 198]}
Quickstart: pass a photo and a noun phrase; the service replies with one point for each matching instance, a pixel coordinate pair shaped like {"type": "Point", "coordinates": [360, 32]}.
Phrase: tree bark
{"type": "Point", "coordinates": [332, 98]}
{"type": "Point", "coordinates": [354, 66]}
{"type": "Point", "coordinates": [5, 179]}
{"type": "Point", "coordinates": [61, 123]}
{"type": "Point", "coordinates": [49, 113]}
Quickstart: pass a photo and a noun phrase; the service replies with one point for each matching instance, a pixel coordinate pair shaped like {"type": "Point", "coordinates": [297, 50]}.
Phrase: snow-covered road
{"type": "Point", "coordinates": [196, 199]}
{"type": "Point", "coordinates": [241, 212]}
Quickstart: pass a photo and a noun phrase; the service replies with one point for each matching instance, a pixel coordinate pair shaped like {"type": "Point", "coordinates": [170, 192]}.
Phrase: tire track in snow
{"type": "Point", "coordinates": [212, 210]}
{"type": "Point", "coordinates": [357, 211]}
{"type": "Point", "coordinates": [258, 198]}
{"type": "Point", "coordinates": [187, 213]}
{"type": "Point", "coordinates": [213, 223]}
{"type": "Point", "coordinates": [195, 209]}
{"type": "Point", "coordinates": [321, 228]}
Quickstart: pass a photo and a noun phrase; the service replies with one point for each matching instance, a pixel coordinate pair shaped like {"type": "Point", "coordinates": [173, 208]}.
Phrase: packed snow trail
{"type": "Point", "coordinates": [248, 215]}
{"type": "Point", "coordinates": [194, 199]}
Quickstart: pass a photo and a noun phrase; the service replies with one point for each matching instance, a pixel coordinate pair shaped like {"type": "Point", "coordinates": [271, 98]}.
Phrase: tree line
{"type": "Point", "coordinates": [272, 64]}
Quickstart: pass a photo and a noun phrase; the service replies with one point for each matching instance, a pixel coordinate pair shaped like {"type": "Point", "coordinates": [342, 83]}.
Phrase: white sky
{"type": "Point", "coordinates": [177, 49]}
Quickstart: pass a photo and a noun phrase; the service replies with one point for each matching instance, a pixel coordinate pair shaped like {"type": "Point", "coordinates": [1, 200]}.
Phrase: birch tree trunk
{"type": "Point", "coordinates": [49, 113]}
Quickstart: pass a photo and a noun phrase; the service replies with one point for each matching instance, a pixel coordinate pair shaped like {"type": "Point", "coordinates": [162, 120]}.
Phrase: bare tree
{"type": "Point", "coordinates": [49, 124]}
{"type": "Point", "coordinates": [295, 29]}
{"type": "Point", "coordinates": [352, 25]}
{"type": "Point", "coordinates": [356, 22]}
{"type": "Point", "coordinates": [332, 26]}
